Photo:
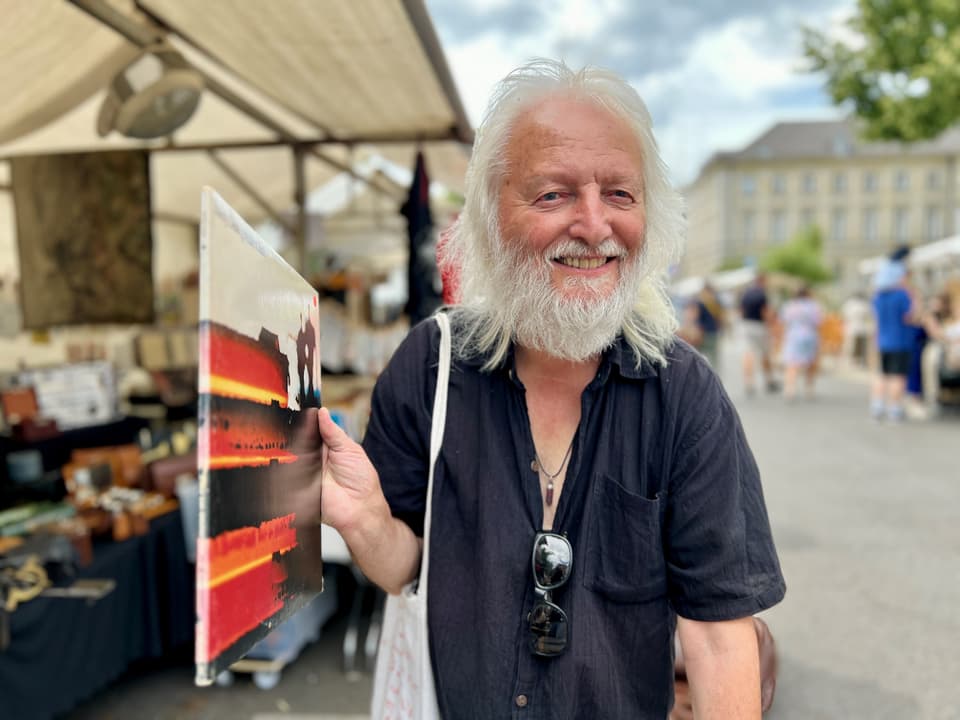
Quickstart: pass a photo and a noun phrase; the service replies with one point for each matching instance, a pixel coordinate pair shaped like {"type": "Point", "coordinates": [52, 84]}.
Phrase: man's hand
{"type": "Point", "coordinates": [350, 486]}
{"type": "Point", "coordinates": [352, 502]}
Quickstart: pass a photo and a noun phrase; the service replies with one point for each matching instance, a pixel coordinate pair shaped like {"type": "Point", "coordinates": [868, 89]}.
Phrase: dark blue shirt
{"type": "Point", "coordinates": [753, 304]}
{"type": "Point", "coordinates": [662, 504]}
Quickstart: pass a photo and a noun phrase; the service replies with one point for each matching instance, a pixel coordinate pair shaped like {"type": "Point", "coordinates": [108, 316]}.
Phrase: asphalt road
{"type": "Point", "coordinates": [865, 517]}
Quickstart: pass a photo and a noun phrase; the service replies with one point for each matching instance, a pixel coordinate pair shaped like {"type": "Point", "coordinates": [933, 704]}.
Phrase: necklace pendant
{"type": "Point", "coordinates": [549, 498]}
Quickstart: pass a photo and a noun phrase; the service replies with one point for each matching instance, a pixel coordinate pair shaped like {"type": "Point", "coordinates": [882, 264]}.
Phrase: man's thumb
{"type": "Point", "coordinates": [333, 435]}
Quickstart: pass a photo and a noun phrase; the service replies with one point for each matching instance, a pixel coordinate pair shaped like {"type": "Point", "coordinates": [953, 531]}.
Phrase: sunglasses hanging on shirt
{"type": "Point", "coordinates": [552, 561]}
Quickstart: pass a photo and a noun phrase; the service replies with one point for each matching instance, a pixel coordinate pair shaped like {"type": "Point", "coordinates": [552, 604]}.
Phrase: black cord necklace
{"type": "Point", "coordinates": [552, 476]}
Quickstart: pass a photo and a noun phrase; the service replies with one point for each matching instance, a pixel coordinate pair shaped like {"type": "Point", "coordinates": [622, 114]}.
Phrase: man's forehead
{"type": "Point", "coordinates": [551, 125]}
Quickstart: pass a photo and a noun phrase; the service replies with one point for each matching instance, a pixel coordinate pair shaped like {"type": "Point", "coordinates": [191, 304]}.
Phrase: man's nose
{"type": "Point", "coordinates": [591, 221]}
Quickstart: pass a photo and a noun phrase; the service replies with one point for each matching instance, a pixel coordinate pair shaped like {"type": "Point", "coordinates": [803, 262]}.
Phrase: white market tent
{"type": "Point", "coordinates": [295, 91]}
{"type": "Point", "coordinates": [941, 252]}
{"type": "Point", "coordinates": [727, 281]}
{"type": "Point", "coordinates": [932, 264]}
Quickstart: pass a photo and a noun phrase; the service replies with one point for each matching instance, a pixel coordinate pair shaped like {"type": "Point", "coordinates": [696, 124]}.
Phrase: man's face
{"type": "Point", "coordinates": [571, 205]}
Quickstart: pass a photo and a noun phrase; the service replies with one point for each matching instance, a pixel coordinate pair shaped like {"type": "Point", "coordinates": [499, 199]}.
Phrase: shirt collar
{"type": "Point", "coordinates": [619, 356]}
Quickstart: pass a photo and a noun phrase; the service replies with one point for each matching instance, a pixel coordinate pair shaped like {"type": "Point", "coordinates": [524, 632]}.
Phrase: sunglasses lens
{"type": "Point", "coordinates": [552, 557]}
{"type": "Point", "coordinates": [548, 629]}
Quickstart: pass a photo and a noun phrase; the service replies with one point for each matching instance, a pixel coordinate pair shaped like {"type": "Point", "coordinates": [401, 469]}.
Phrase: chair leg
{"type": "Point", "coordinates": [351, 638]}
{"type": "Point", "coordinates": [373, 630]}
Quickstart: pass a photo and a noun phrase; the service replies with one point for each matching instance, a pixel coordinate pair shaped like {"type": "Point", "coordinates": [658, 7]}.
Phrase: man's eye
{"type": "Point", "coordinates": [622, 194]}
{"type": "Point", "coordinates": [550, 196]}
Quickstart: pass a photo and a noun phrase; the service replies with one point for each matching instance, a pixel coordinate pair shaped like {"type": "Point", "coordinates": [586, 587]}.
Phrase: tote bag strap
{"type": "Point", "coordinates": [436, 441]}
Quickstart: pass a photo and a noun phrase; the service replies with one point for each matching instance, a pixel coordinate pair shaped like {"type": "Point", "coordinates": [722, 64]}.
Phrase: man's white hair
{"type": "Point", "coordinates": [475, 244]}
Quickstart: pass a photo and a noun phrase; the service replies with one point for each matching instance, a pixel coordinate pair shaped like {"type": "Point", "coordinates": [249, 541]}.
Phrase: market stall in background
{"type": "Point", "coordinates": [316, 121]}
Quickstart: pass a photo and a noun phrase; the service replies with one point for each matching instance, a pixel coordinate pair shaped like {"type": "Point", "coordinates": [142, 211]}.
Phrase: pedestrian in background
{"type": "Point", "coordinates": [710, 319]}
{"type": "Point", "coordinates": [857, 326]}
{"type": "Point", "coordinates": [757, 315]}
{"type": "Point", "coordinates": [802, 317]}
{"type": "Point", "coordinates": [893, 306]}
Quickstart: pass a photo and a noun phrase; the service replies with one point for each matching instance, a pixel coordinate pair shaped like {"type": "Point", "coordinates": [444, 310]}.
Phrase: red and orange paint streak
{"type": "Point", "coordinates": [240, 574]}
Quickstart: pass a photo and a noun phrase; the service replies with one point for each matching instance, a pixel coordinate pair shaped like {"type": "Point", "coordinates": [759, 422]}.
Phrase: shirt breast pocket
{"type": "Point", "coordinates": [624, 552]}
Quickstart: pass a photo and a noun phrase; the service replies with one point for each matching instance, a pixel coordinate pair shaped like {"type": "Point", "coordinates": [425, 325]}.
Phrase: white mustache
{"type": "Point", "coordinates": [575, 249]}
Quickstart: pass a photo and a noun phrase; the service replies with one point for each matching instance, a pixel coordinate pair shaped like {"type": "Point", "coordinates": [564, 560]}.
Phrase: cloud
{"type": "Point", "coordinates": [713, 72]}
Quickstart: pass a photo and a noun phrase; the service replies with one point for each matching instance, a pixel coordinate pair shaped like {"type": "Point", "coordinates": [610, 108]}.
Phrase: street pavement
{"type": "Point", "coordinates": [865, 517]}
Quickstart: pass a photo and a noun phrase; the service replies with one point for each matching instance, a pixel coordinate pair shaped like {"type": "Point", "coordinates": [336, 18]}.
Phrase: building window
{"type": "Point", "coordinates": [839, 183]}
{"type": "Point", "coordinates": [901, 225]}
{"type": "Point", "coordinates": [808, 218]}
{"type": "Point", "coordinates": [838, 225]}
{"type": "Point", "coordinates": [778, 227]}
{"type": "Point", "coordinates": [809, 183]}
{"type": "Point", "coordinates": [748, 185]}
{"type": "Point", "coordinates": [870, 182]}
{"type": "Point", "coordinates": [901, 180]}
{"type": "Point", "coordinates": [934, 180]}
{"type": "Point", "coordinates": [870, 226]}
{"type": "Point", "coordinates": [778, 184]}
{"type": "Point", "coordinates": [933, 223]}
{"type": "Point", "coordinates": [749, 228]}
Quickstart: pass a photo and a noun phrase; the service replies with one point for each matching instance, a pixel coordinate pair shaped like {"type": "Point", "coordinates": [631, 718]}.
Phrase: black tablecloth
{"type": "Point", "coordinates": [62, 650]}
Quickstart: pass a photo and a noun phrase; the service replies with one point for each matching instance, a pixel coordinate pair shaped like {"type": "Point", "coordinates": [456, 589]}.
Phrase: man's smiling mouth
{"type": "Point", "coordinates": [582, 263]}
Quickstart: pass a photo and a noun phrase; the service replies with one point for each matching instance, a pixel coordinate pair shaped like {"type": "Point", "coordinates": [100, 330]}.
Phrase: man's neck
{"type": "Point", "coordinates": [536, 367]}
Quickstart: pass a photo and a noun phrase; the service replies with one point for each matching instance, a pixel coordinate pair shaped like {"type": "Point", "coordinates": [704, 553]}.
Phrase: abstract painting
{"type": "Point", "coordinates": [258, 550]}
{"type": "Point", "coordinates": [84, 238]}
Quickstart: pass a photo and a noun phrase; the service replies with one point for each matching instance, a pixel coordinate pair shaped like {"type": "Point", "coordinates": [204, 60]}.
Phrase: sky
{"type": "Point", "coordinates": [714, 73]}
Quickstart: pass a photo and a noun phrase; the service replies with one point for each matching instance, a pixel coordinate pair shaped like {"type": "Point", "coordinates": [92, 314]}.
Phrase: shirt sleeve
{"type": "Point", "coordinates": [397, 440]}
{"type": "Point", "coordinates": [721, 559]}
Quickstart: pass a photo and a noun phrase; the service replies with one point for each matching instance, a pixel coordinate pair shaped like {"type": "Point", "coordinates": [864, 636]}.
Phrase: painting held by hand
{"type": "Point", "coordinates": [259, 449]}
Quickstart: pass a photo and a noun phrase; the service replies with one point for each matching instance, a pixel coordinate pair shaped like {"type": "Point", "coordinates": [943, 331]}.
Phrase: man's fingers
{"type": "Point", "coordinates": [333, 435]}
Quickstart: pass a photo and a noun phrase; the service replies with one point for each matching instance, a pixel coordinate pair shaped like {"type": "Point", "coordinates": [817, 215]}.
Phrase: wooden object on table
{"type": "Point", "coordinates": [9, 543]}
{"type": "Point", "coordinates": [99, 521]}
{"type": "Point", "coordinates": [162, 474]}
{"type": "Point", "coordinates": [19, 404]}
{"type": "Point", "coordinates": [35, 429]}
{"type": "Point", "coordinates": [124, 460]}
{"type": "Point", "coordinates": [152, 511]}
{"type": "Point", "coordinates": [79, 535]}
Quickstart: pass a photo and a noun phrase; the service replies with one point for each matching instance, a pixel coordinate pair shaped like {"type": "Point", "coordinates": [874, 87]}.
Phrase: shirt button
{"type": "Point", "coordinates": [521, 700]}
{"type": "Point", "coordinates": [534, 466]}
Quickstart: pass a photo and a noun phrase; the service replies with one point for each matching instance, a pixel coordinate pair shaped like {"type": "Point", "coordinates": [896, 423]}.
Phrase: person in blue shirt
{"type": "Point", "coordinates": [893, 306]}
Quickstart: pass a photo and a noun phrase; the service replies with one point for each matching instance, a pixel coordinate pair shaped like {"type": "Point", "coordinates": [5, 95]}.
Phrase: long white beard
{"type": "Point", "coordinates": [541, 317]}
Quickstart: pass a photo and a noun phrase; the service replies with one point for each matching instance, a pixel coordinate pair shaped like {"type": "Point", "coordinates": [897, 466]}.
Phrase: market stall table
{"type": "Point", "coordinates": [62, 650]}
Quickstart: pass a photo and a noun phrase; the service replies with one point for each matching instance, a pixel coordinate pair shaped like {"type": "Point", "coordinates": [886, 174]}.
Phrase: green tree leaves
{"type": "Point", "coordinates": [900, 69]}
{"type": "Point", "coordinates": [801, 258]}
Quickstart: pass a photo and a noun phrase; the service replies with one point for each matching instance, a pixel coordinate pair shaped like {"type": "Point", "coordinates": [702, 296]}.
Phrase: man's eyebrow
{"type": "Point", "coordinates": [570, 176]}
{"type": "Point", "coordinates": [633, 179]}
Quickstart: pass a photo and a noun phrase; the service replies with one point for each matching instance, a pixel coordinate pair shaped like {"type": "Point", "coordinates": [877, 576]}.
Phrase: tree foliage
{"type": "Point", "coordinates": [901, 70]}
{"type": "Point", "coordinates": [801, 258]}
{"type": "Point", "coordinates": [734, 262]}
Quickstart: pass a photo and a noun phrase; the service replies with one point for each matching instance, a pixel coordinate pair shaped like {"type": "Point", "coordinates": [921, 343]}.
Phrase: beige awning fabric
{"type": "Point", "coordinates": [52, 58]}
{"type": "Point", "coordinates": [353, 68]}
{"type": "Point", "coordinates": [337, 77]}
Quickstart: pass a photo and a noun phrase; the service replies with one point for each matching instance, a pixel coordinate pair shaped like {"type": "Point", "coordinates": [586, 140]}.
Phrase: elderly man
{"type": "Point", "coordinates": [578, 431]}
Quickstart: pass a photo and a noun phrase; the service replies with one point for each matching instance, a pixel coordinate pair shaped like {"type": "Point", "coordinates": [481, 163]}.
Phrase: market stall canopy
{"type": "Point", "coordinates": [335, 79]}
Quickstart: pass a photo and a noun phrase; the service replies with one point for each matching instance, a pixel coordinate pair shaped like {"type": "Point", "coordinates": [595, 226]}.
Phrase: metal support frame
{"type": "Point", "coordinates": [300, 197]}
{"type": "Point", "coordinates": [420, 20]}
{"type": "Point", "coordinates": [174, 218]}
{"type": "Point", "coordinates": [251, 191]}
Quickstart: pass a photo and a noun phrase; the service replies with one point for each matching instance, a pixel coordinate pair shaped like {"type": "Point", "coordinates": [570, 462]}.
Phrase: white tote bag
{"type": "Point", "coordinates": [403, 679]}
